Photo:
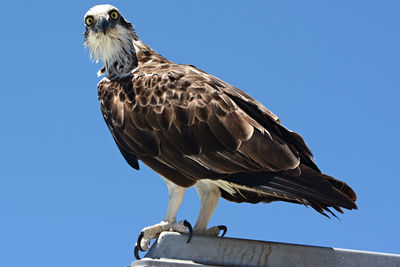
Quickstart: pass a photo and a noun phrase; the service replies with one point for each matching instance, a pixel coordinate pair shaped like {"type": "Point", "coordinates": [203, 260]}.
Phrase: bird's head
{"type": "Point", "coordinates": [109, 37]}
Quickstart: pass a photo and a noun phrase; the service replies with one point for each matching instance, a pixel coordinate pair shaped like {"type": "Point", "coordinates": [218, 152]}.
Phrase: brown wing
{"type": "Point", "coordinates": [176, 116]}
{"type": "Point", "coordinates": [188, 125]}
{"type": "Point", "coordinates": [266, 118]}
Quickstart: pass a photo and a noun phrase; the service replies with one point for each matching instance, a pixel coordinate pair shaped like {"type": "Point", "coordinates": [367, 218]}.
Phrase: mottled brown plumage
{"type": "Point", "coordinates": [188, 125]}
{"type": "Point", "coordinates": [196, 130]}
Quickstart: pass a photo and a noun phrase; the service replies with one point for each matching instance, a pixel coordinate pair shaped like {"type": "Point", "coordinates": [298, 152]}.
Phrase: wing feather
{"type": "Point", "coordinates": [198, 120]}
{"type": "Point", "coordinates": [188, 125]}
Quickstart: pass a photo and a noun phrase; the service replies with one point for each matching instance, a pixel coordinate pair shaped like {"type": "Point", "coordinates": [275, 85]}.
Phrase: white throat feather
{"type": "Point", "coordinates": [115, 49]}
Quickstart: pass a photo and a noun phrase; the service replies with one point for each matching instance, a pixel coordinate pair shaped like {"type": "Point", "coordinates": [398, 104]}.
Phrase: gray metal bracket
{"type": "Point", "coordinates": [171, 249]}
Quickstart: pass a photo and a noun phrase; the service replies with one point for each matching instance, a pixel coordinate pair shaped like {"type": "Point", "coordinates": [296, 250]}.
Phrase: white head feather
{"type": "Point", "coordinates": [116, 46]}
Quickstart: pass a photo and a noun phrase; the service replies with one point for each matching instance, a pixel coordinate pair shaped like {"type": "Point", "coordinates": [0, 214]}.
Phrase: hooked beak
{"type": "Point", "coordinates": [102, 24]}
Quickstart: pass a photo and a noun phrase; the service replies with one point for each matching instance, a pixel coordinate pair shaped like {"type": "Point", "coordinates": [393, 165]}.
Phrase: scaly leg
{"type": "Point", "coordinates": [209, 195]}
{"type": "Point", "coordinates": [169, 223]}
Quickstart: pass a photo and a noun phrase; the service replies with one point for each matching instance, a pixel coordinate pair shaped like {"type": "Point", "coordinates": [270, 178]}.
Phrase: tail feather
{"type": "Point", "coordinates": [312, 188]}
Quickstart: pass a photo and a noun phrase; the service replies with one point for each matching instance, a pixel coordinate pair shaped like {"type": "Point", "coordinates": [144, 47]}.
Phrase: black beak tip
{"type": "Point", "coordinates": [103, 25]}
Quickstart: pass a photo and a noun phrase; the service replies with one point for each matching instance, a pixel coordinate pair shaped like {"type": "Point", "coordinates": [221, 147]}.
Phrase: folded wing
{"type": "Point", "coordinates": [188, 125]}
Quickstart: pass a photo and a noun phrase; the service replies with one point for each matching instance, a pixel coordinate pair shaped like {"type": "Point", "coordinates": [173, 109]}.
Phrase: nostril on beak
{"type": "Point", "coordinates": [102, 25]}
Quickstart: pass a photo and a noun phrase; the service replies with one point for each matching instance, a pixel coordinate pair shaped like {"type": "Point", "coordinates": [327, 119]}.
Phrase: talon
{"type": "Point", "coordinates": [190, 230]}
{"type": "Point", "coordinates": [136, 252]}
{"type": "Point", "coordinates": [223, 228]}
{"type": "Point", "coordinates": [139, 241]}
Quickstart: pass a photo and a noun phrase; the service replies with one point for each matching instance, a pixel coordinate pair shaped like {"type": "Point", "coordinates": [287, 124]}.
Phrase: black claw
{"type": "Point", "coordinates": [190, 229]}
{"type": "Point", "coordinates": [139, 241]}
{"type": "Point", "coordinates": [138, 246]}
{"type": "Point", "coordinates": [223, 228]}
{"type": "Point", "coordinates": [136, 252]}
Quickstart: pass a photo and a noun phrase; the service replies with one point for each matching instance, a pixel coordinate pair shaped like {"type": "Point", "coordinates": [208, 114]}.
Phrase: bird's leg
{"type": "Point", "coordinates": [169, 223]}
{"type": "Point", "coordinates": [209, 195]}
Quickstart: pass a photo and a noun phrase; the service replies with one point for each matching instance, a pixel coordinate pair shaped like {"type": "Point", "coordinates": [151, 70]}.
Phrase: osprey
{"type": "Point", "coordinates": [197, 130]}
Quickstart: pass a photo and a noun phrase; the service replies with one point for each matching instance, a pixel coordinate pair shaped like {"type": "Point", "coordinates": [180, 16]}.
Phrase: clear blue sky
{"type": "Point", "coordinates": [330, 71]}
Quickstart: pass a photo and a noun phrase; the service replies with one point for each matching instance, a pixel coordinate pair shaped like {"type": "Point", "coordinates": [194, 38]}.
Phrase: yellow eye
{"type": "Point", "coordinates": [89, 20]}
{"type": "Point", "coordinates": [114, 15]}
